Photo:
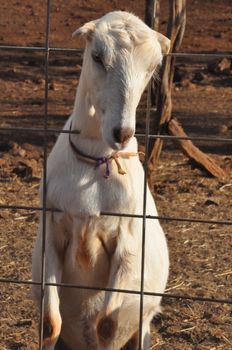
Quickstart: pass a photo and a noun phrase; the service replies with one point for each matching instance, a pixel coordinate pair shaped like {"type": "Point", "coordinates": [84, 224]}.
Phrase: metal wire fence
{"type": "Point", "coordinates": [46, 49]}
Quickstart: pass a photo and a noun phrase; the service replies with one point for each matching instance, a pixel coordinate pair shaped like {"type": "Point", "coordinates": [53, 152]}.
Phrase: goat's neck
{"type": "Point", "coordinates": [84, 114]}
{"type": "Point", "coordinates": [85, 119]}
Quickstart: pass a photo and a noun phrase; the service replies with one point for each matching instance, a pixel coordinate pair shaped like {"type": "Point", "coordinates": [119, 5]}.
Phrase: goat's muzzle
{"type": "Point", "coordinates": [122, 135]}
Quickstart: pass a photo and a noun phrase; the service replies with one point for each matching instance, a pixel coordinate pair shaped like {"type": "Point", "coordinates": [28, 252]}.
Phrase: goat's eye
{"type": "Point", "coordinates": [97, 58]}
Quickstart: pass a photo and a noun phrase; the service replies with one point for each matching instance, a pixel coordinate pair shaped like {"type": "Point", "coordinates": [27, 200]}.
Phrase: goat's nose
{"type": "Point", "coordinates": [122, 135]}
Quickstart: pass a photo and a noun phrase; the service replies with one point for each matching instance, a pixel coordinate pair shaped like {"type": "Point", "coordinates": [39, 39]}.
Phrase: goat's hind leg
{"type": "Point", "coordinates": [53, 270]}
{"type": "Point", "coordinates": [60, 345]}
{"type": "Point", "coordinates": [133, 342]}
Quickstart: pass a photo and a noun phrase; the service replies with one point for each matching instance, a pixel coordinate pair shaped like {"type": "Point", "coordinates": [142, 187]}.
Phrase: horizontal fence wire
{"type": "Point", "coordinates": [138, 216]}
{"type": "Point", "coordinates": [186, 55]}
{"type": "Point", "coordinates": [47, 131]}
{"type": "Point", "coordinates": [115, 290]}
{"type": "Point", "coordinates": [138, 135]}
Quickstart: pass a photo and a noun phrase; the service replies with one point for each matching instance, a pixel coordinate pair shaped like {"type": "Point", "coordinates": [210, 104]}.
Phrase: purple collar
{"type": "Point", "coordinates": [96, 161]}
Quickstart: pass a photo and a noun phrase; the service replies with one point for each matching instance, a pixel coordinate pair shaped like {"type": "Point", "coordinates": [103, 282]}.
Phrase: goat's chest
{"type": "Point", "coordinates": [85, 191]}
{"type": "Point", "coordinates": [105, 195]}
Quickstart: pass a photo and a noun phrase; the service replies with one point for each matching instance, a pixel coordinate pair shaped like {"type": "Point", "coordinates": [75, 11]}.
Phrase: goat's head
{"type": "Point", "coordinates": [121, 55]}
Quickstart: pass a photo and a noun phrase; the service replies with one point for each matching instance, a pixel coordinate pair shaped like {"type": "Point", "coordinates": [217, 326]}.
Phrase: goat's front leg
{"type": "Point", "coordinates": [122, 264]}
{"type": "Point", "coordinates": [54, 248]}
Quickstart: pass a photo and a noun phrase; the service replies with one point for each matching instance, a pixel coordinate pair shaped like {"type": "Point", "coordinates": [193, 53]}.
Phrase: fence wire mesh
{"type": "Point", "coordinates": [147, 136]}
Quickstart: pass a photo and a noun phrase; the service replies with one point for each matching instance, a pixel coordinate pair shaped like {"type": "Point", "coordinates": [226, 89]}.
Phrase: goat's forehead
{"type": "Point", "coordinates": [118, 46]}
{"type": "Point", "coordinates": [112, 40]}
{"type": "Point", "coordinates": [120, 20]}
{"type": "Point", "coordinates": [121, 31]}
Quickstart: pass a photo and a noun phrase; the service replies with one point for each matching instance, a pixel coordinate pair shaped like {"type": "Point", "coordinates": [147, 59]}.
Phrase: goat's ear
{"type": "Point", "coordinates": [164, 43]}
{"type": "Point", "coordinates": [86, 31]}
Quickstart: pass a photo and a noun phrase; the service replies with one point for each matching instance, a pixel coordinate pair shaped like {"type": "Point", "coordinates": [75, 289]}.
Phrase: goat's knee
{"type": "Point", "coordinates": [106, 330]}
{"type": "Point", "coordinates": [51, 330]}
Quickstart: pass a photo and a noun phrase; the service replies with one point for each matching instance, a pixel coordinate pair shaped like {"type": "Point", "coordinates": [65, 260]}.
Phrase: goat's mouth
{"type": "Point", "coordinates": [120, 146]}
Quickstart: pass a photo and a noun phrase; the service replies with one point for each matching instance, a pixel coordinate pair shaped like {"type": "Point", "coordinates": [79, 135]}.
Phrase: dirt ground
{"type": "Point", "coordinates": [200, 254]}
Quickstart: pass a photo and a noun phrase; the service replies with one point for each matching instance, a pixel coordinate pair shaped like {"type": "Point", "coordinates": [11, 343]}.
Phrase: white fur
{"type": "Point", "coordinates": [83, 247]}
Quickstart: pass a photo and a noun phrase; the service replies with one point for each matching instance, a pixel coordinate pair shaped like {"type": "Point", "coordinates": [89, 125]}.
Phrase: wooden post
{"type": "Point", "coordinates": [152, 13]}
{"type": "Point", "coordinates": [175, 31]}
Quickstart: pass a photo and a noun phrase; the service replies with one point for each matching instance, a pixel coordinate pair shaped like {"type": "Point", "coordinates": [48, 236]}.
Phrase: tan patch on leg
{"type": "Point", "coordinates": [82, 254]}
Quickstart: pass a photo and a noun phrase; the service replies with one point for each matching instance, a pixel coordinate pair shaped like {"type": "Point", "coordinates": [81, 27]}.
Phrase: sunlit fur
{"type": "Point", "coordinates": [82, 247]}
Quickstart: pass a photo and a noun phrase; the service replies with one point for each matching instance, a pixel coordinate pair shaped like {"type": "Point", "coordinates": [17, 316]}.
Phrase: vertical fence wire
{"type": "Point", "coordinates": [44, 183]}
{"type": "Point", "coordinates": [147, 132]}
{"type": "Point", "coordinates": [144, 214]}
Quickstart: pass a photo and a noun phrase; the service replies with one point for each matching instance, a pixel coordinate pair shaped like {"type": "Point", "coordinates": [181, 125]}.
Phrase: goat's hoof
{"type": "Point", "coordinates": [51, 330]}
{"type": "Point", "coordinates": [106, 330]}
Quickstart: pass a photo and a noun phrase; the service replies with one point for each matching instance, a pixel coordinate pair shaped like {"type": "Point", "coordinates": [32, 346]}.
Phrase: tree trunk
{"type": "Point", "coordinates": [175, 32]}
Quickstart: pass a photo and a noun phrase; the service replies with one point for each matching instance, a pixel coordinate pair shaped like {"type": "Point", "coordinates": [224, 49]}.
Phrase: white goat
{"type": "Point", "coordinates": [82, 247]}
